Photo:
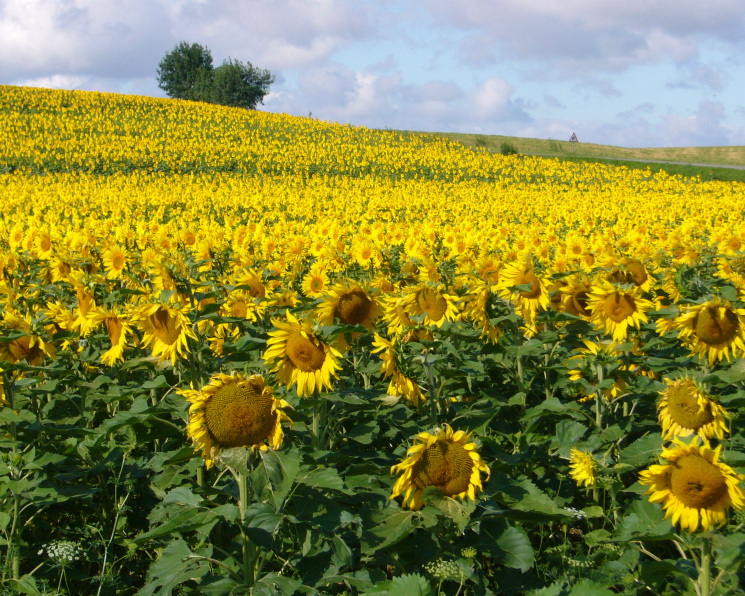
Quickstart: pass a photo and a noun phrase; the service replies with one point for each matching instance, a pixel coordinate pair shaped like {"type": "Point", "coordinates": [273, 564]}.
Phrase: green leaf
{"type": "Point", "coordinates": [393, 525]}
{"type": "Point", "coordinates": [730, 550]}
{"type": "Point", "coordinates": [410, 585]}
{"type": "Point", "coordinates": [175, 566]}
{"type": "Point", "coordinates": [281, 470]}
{"type": "Point", "coordinates": [262, 522]}
{"type": "Point", "coordinates": [343, 552]}
{"type": "Point", "coordinates": [645, 521]}
{"type": "Point", "coordinates": [590, 588]}
{"type": "Point", "coordinates": [327, 478]}
{"type": "Point", "coordinates": [516, 548]}
{"type": "Point", "coordinates": [734, 374]}
{"type": "Point", "coordinates": [568, 434]}
{"type": "Point", "coordinates": [273, 584]}
{"type": "Point", "coordinates": [641, 451]}
{"type": "Point", "coordinates": [159, 381]}
{"type": "Point", "coordinates": [459, 511]}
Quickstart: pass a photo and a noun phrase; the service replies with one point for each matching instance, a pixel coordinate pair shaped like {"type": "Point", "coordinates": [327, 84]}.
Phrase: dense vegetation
{"type": "Point", "coordinates": [247, 352]}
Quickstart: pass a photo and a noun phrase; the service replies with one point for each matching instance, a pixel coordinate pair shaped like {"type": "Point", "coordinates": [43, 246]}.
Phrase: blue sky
{"type": "Point", "coordinates": [635, 74]}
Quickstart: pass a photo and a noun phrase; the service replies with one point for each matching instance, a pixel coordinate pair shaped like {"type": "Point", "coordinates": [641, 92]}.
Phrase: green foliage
{"type": "Point", "coordinates": [507, 148]}
{"type": "Point", "coordinates": [186, 72]}
{"type": "Point", "coordinates": [239, 85]}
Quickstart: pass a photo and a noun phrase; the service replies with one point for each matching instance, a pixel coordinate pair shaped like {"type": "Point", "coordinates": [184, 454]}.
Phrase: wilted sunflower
{"type": "Point", "coordinates": [445, 460]}
{"type": "Point", "coordinates": [234, 411]}
{"type": "Point", "coordinates": [528, 302]}
{"type": "Point", "coordinates": [300, 357]}
{"type": "Point", "coordinates": [615, 310]}
{"type": "Point", "coordinates": [685, 409]}
{"type": "Point", "coordinates": [576, 293]}
{"type": "Point", "coordinates": [694, 487]}
{"type": "Point", "coordinates": [165, 328]}
{"type": "Point", "coordinates": [714, 328]}
{"type": "Point", "coordinates": [400, 383]}
{"type": "Point", "coordinates": [582, 467]}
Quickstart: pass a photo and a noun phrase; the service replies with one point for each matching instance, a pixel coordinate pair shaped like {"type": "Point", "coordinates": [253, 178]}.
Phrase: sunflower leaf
{"type": "Point", "coordinates": [516, 549]}
{"type": "Point", "coordinates": [642, 450]}
{"type": "Point", "coordinates": [281, 470]}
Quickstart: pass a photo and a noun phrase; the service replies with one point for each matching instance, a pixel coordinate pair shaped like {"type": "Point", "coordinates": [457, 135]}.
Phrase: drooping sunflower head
{"type": "Point", "coordinates": [351, 304]}
{"type": "Point", "coordinates": [235, 411]}
{"type": "Point", "coordinates": [694, 487]}
{"type": "Point", "coordinates": [433, 302]}
{"type": "Point", "coordinates": [582, 467]}
{"type": "Point", "coordinates": [715, 329]}
{"type": "Point", "coordinates": [686, 409]}
{"type": "Point", "coordinates": [615, 310]}
{"type": "Point", "coordinates": [300, 357]}
{"type": "Point", "coordinates": [529, 301]}
{"type": "Point", "coordinates": [444, 460]}
{"type": "Point", "coordinates": [165, 328]}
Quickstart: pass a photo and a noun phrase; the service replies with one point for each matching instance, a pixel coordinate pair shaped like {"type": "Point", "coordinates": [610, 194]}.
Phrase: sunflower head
{"type": "Point", "coordinates": [715, 329]}
{"type": "Point", "coordinates": [300, 357]}
{"type": "Point", "coordinates": [235, 411]}
{"type": "Point", "coordinates": [685, 409]}
{"type": "Point", "coordinates": [445, 460]}
{"type": "Point", "coordinates": [582, 467]}
{"type": "Point", "coordinates": [694, 487]}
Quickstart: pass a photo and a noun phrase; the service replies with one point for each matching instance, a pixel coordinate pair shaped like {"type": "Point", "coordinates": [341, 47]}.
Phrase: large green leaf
{"type": "Point", "coordinates": [281, 470]}
{"type": "Point", "coordinates": [644, 521]}
{"type": "Point", "coordinates": [642, 451]}
{"type": "Point", "coordinates": [517, 551]}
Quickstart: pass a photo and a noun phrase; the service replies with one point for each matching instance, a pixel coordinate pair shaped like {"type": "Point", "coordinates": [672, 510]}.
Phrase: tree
{"type": "Point", "coordinates": [186, 72]}
{"type": "Point", "coordinates": [240, 85]}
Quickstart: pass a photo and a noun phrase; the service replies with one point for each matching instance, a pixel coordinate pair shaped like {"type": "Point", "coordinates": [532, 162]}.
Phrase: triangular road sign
{"type": "Point", "coordinates": [573, 138]}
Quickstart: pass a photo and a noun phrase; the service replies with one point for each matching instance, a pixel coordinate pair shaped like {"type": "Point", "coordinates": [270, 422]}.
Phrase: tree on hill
{"type": "Point", "coordinates": [240, 85]}
{"type": "Point", "coordinates": [186, 72]}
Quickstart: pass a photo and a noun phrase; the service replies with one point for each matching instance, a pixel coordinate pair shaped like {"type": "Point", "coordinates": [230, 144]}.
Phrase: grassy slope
{"type": "Point", "coordinates": [611, 155]}
{"type": "Point", "coordinates": [708, 155]}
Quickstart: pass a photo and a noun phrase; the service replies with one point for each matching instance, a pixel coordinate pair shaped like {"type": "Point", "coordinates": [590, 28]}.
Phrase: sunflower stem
{"type": "Point", "coordinates": [249, 550]}
{"type": "Point", "coordinates": [320, 411]}
{"type": "Point", "coordinates": [599, 399]}
{"type": "Point", "coordinates": [704, 576]}
{"type": "Point", "coordinates": [432, 391]}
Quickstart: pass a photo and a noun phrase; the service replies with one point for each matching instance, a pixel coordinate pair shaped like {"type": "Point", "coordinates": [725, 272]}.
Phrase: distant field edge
{"type": "Point", "coordinates": [721, 156]}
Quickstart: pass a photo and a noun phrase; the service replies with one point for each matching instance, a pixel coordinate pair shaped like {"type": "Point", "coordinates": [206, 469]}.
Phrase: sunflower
{"type": "Point", "coordinates": [118, 329]}
{"type": "Point", "coordinates": [433, 302]}
{"type": "Point", "coordinates": [477, 309]}
{"type": "Point", "coordinates": [715, 328]}
{"type": "Point", "coordinates": [445, 460]}
{"type": "Point", "coordinates": [400, 383]}
{"type": "Point", "coordinates": [29, 347]}
{"type": "Point", "coordinates": [234, 411]}
{"type": "Point", "coordinates": [685, 409]}
{"type": "Point", "coordinates": [351, 304]}
{"type": "Point", "coordinates": [582, 467]}
{"type": "Point", "coordinates": [527, 302]}
{"type": "Point", "coordinates": [694, 487]}
{"type": "Point", "coordinates": [166, 329]}
{"type": "Point", "coordinates": [114, 261]}
{"type": "Point", "coordinates": [576, 292]}
{"type": "Point", "coordinates": [615, 310]}
{"type": "Point", "coordinates": [315, 281]}
{"type": "Point", "coordinates": [300, 357]}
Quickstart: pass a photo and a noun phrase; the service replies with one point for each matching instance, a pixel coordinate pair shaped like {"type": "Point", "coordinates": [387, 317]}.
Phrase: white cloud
{"type": "Point", "coordinates": [581, 35]}
{"type": "Point", "coordinates": [129, 37]}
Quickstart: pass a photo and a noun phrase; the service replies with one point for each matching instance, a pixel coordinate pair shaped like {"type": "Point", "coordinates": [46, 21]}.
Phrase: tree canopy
{"type": "Point", "coordinates": [186, 72]}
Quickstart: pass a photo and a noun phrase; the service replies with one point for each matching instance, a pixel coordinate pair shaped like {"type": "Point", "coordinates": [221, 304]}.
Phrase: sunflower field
{"type": "Point", "coordinates": [250, 353]}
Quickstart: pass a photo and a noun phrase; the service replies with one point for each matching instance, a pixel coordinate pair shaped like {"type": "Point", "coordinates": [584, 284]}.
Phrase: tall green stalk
{"type": "Point", "coordinates": [704, 576]}
{"type": "Point", "coordinates": [249, 550]}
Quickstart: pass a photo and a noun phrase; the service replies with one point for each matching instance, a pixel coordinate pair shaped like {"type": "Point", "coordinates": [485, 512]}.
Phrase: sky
{"type": "Point", "coordinates": [652, 73]}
